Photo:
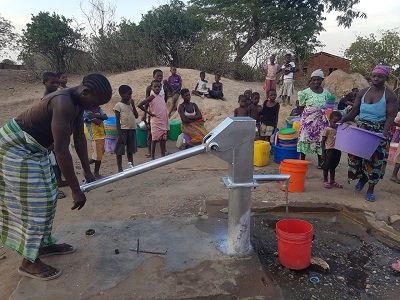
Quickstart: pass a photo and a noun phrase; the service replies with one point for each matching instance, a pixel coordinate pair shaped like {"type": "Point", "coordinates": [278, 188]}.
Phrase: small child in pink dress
{"type": "Point", "coordinates": [158, 112]}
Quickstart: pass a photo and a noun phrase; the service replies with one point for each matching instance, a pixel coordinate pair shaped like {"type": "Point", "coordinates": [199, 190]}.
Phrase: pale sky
{"type": "Point", "coordinates": [381, 15]}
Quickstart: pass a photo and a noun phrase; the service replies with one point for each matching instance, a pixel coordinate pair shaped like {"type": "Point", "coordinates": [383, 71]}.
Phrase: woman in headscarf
{"type": "Point", "coordinates": [377, 107]}
{"type": "Point", "coordinates": [313, 120]}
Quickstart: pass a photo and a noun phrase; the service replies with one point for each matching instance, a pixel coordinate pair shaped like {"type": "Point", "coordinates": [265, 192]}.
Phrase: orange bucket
{"type": "Point", "coordinates": [328, 113]}
{"type": "Point", "coordinates": [297, 169]}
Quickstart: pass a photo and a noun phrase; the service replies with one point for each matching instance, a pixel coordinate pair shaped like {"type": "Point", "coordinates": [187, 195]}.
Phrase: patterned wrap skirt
{"type": "Point", "coordinates": [28, 193]}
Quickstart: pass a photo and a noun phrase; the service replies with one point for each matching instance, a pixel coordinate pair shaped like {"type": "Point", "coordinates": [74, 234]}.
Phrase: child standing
{"type": "Point", "coordinates": [217, 89]}
{"type": "Point", "coordinates": [93, 119]}
{"type": "Point", "coordinates": [201, 88]}
{"type": "Point", "coordinates": [330, 155]}
{"type": "Point", "coordinates": [270, 114]}
{"type": "Point", "coordinates": [50, 82]}
{"type": "Point", "coordinates": [126, 115]}
{"type": "Point", "coordinates": [155, 106]}
{"type": "Point", "coordinates": [62, 80]}
{"type": "Point", "coordinates": [255, 110]}
{"type": "Point", "coordinates": [175, 81]}
{"type": "Point", "coordinates": [242, 110]}
{"type": "Point", "coordinates": [298, 110]}
{"type": "Point", "coordinates": [158, 75]}
{"type": "Point", "coordinates": [247, 93]}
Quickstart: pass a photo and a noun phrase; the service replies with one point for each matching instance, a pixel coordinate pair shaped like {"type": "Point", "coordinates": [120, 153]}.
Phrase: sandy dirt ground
{"type": "Point", "coordinates": [182, 188]}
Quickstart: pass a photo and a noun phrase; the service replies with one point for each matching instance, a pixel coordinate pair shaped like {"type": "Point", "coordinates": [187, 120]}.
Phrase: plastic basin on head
{"type": "Point", "coordinates": [357, 141]}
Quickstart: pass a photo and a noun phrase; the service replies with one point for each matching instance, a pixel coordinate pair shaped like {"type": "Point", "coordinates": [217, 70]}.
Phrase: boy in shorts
{"type": "Point", "coordinates": [126, 115]}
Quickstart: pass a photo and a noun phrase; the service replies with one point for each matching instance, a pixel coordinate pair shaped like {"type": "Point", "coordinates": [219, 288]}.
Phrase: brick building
{"type": "Point", "coordinates": [327, 63]}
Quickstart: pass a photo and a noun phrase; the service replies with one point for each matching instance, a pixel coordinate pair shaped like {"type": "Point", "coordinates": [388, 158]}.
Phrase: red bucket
{"type": "Point", "coordinates": [294, 243]}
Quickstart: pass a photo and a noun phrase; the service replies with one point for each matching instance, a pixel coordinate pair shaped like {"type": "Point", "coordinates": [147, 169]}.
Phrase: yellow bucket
{"type": "Point", "coordinates": [296, 125]}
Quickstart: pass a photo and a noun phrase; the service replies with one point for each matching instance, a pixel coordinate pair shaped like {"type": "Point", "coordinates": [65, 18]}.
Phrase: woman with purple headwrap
{"type": "Point", "coordinates": [377, 108]}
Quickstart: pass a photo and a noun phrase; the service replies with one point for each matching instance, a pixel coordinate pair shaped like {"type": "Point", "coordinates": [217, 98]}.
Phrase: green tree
{"type": "Point", "coordinates": [7, 36]}
{"type": "Point", "coordinates": [246, 22]}
{"type": "Point", "coordinates": [173, 29]}
{"type": "Point", "coordinates": [51, 36]}
{"type": "Point", "coordinates": [367, 52]}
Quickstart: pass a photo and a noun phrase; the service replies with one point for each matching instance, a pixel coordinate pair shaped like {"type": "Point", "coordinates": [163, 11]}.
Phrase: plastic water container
{"type": "Point", "coordinates": [261, 153]}
{"type": "Point", "coordinates": [281, 153]}
{"type": "Point", "coordinates": [294, 243]}
{"type": "Point", "coordinates": [111, 121]}
{"type": "Point", "coordinates": [174, 129]}
{"type": "Point", "coordinates": [109, 143]}
{"type": "Point", "coordinates": [297, 169]}
{"type": "Point", "coordinates": [141, 137]}
{"type": "Point", "coordinates": [296, 126]}
{"type": "Point", "coordinates": [357, 141]}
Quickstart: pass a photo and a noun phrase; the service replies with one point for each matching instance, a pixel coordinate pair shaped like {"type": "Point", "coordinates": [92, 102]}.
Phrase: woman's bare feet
{"type": "Point", "coordinates": [38, 270]}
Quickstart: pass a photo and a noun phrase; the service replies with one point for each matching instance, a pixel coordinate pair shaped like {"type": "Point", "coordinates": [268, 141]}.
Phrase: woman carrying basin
{"type": "Point", "coordinates": [377, 108]}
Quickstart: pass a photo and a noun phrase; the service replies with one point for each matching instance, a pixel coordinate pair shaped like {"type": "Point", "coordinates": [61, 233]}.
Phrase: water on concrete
{"type": "Point", "coordinates": [359, 259]}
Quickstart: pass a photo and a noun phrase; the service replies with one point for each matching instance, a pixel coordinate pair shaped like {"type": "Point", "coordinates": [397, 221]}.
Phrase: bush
{"type": "Point", "coordinates": [242, 71]}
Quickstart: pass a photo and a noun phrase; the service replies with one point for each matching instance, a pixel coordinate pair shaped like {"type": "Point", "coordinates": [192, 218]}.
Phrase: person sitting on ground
{"type": "Point", "coordinates": [377, 108]}
{"type": "Point", "coordinates": [330, 156]}
{"type": "Point", "coordinates": [298, 110]}
{"type": "Point", "coordinates": [155, 106]}
{"type": "Point", "coordinates": [96, 134]}
{"type": "Point", "coordinates": [201, 89]}
{"type": "Point", "coordinates": [216, 91]}
{"type": "Point", "coordinates": [126, 115]}
{"type": "Point", "coordinates": [255, 111]}
{"type": "Point", "coordinates": [175, 82]}
{"type": "Point", "coordinates": [62, 80]}
{"type": "Point", "coordinates": [242, 110]}
{"type": "Point", "coordinates": [191, 117]}
{"type": "Point", "coordinates": [348, 98]}
{"type": "Point", "coordinates": [29, 188]}
{"type": "Point", "coordinates": [269, 116]}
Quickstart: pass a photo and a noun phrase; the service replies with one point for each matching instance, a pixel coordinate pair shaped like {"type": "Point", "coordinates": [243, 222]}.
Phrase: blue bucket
{"type": "Point", "coordinates": [281, 153]}
{"type": "Point", "coordinates": [111, 121]}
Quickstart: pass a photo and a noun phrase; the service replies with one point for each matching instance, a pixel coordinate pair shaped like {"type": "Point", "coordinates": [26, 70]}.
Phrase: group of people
{"type": "Point", "coordinates": [266, 116]}
{"type": "Point", "coordinates": [272, 70]}
{"type": "Point", "coordinates": [29, 185]}
{"type": "Point", "coordinates": [374, 109]}
{"type": "Point", "coordinates": [28, 180]}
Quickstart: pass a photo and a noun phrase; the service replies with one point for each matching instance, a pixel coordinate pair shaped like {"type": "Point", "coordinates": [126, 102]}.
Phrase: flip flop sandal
{"type": "Point", "coordinates": [72, 250]}
{"type": "Point", "coordinates": [337, 185]}
{"type": "Point", "coordinates": [360, 185]}
{"type": "Point", "coordinates": [327, 185]}
{"type": "Point", "coordinates": [147, 155]}
{"type": "Point", "coordinates": [61, 194]}
{"type": "Point", "coordinates": [23, 272]}
{"type": "Point", "coordinates": [370, 197]}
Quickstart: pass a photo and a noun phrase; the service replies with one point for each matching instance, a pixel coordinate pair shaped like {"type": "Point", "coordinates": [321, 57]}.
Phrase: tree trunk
{"type": "Point", "coordinates": [252, 38]}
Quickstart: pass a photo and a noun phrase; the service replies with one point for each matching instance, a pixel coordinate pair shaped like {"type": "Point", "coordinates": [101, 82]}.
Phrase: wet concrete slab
{"type": "Point", "coordinates": [194, 267]}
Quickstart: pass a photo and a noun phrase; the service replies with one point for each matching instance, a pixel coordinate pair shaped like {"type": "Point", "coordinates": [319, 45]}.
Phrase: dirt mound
{"type": "Point", "coordinates": [338, 81]}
